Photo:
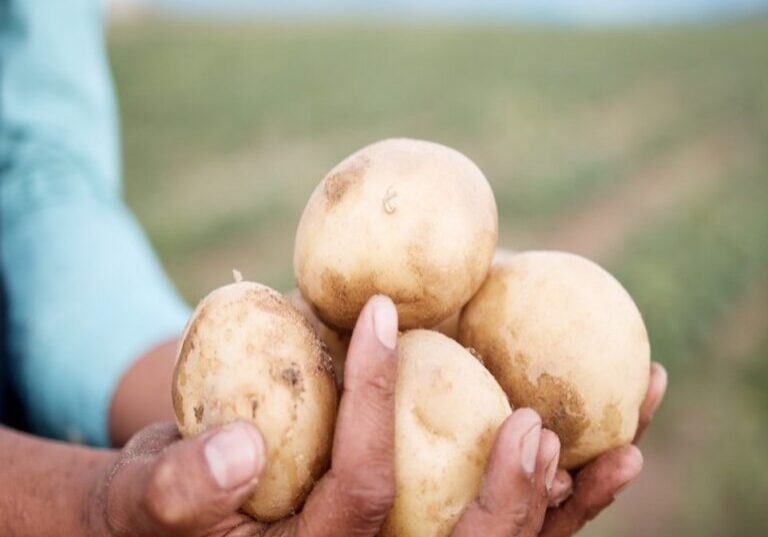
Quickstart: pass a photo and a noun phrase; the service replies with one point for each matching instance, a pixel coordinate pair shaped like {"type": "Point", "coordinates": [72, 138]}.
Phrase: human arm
{"type": "Point", "coordinates": [44, 485]}
{"type": "Point", "coordinates": [85, 293]}
{"type": "Point", "coordinates": [160, 485]}
{"type": "Point", "coordinates": [143, 394]}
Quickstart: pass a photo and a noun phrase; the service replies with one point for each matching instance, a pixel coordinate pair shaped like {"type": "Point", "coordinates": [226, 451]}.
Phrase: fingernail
{"type": "Point", "coordinates": [549, 475]}
{"type": "Point", "coordinates": [385, 321]}
{"type": "Point", "coordinates": [565, 490]}
{"type": "Point", "coordinates": [662, 380]}
{"type": "Point", "coordinates": [529, 449]}
{"type": "Point", "coordinates": [235, 455]}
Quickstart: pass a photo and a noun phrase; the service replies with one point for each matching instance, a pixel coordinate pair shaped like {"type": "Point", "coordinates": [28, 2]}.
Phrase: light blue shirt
{"type": "Point", "coordinates": [85, 294]}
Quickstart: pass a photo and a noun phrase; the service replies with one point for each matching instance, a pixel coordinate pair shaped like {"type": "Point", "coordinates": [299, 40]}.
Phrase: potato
{"type": "Point", "coordinates": [448, 409]}
{"type": "Point", "coordinates": [410, 219]}
{"type": "Point", "coordinates": [336, 342]}
{"type": "Point", "coordinates": [247, 354]}
{"type": "Point", "coordinates": [563, 337]}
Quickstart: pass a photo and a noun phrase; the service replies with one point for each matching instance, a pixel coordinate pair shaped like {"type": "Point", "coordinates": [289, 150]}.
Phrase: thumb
{"type": "Point", "coordinates": [187, 487]}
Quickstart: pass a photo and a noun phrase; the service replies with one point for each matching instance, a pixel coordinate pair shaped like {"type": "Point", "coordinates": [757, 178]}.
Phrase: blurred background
{"type": "Point", "coordinates": [633, 132]}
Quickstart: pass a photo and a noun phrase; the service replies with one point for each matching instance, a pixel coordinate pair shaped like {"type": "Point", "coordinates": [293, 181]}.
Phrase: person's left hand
{"type": "Point", "coordinates": [596, 485]}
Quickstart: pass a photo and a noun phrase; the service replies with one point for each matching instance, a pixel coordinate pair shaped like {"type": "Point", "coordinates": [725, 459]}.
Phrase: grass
{"type": "Point", "coordinates": [682, 291]}
{"type": "Point", "coordinates": [228, 128]}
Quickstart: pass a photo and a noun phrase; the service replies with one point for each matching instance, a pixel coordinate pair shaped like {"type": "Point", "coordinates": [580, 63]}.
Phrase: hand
{"type": "Point", "coordinates": [160, 485]}
{"type": "Point", "coordinates": [596, 485]}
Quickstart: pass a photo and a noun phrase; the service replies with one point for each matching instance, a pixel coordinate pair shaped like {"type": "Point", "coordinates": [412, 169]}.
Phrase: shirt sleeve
{"type": "Point", "coordinates": [85, 293]}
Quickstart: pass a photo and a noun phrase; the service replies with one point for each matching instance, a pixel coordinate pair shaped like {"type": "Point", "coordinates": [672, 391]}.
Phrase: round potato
{"type": "Point", "coordinates": [448, 409]}
{"type": "Point", "coordinates": [247, 354]}
{"type": "Point", "coordinates": [336, 342]}
{"type": "Point", "coordinates": [409, 219]}
{"type": "Point", "coordinates": [563, 337]}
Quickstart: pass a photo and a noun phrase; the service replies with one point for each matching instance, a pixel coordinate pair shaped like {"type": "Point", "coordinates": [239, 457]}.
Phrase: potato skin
{"type": "Point", "coordinates": [248, 354]}
{"type": "Point", "coordinates": [336, 342]}
{"type": "Point", "coordinates": [413, 220]}
{"type": "Point", "coordinates": [448, 409]}
{"type": "Point", "coordinates": [562, 336]}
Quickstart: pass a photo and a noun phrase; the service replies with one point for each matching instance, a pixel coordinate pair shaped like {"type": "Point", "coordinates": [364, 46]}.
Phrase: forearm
{"type": "Point", "coordinates": [143, 395]}
{"type": "Point", "coordinates": [45, 486]}
{"type": "Point", "coordinates": [84, 292]}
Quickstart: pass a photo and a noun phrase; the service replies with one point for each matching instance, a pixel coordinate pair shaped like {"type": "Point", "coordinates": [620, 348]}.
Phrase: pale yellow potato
{"type": "Point", "coordinates": [448, 409]}
{"type": "Point", "coordinates": [336, 342]}
{"type": "Point", "coordinates": [247, 354]}
{"type": "Point", "coordinates": [562, 336]}
{"type": "Point", "coordinates": [410, 219]}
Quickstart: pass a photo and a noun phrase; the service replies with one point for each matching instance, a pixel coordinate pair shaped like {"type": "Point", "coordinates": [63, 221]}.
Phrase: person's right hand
{"type": "Point", "coordinates": [163, 486]}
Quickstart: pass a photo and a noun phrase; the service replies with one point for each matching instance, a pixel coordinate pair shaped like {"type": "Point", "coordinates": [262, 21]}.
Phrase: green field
{"type": "Point", "coordinates": [644, 149]}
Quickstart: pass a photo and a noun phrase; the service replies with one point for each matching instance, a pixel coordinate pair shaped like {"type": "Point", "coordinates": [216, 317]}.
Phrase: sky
{"type": "Point", "coordinates": [561, 11]}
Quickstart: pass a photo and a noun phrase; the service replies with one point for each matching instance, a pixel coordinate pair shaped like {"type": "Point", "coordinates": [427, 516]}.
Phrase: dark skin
{"type": "Point", "coordinates": [162, 485]}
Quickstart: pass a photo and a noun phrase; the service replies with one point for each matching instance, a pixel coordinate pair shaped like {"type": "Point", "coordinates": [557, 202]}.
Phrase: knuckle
{"type": "Point", "coordinates": [161, 499]}
{"type": "Point", "coordinates": [371, 495]}
{"type": "Point", "coordinates": [520, 515]}
{"type": "Point", "coordinates": [516, 519]}
{"type": "Point", "coordinates": [380, 385]}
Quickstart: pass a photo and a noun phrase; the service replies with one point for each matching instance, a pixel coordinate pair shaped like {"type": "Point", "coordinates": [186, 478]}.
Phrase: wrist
{"type": "Point", "coordinates": [95, 471]}
{"type": "Point", "coordinates": [143, 395]}
{"type": "Point", "coordinates": [47, 488]}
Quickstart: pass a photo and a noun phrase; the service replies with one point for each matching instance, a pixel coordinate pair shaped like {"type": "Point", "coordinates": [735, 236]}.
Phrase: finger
{"type": "Point", "coordinates": [357, 493]}
{"type": "Point", "coordinates": [549, 456]}
{"type": "Point", "coordinates": [514, 476]}
{"type": "Point", "coordinates": [187, 487]}
{"type": "Point", "coordinates": [595, 488]}
{"type": "Point", "coordinates": [657, 385]}
{"type": "Point", "coordinates": [562, 487]}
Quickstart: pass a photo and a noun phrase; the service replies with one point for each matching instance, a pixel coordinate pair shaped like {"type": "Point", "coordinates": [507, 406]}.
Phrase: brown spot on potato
{"type": "Point", "coordinates": [291, 376]}
{"type": "Point", "coordinates": [335, 286]}
{"type": "Point", "coordinates": [254, 408]}
{"type": "Point", "coordinates": [178, 403]}
{"type": "Point", "coordinates": [479, 455]}
{"type": "Point", "coordinates": [557, 401]}
{"type": "Point", "coordinates": [266, 300]}
{"type": "Point", "coordinates": [344, 177]}
{"type": "Point", "coordinates": [561, 409]}
{"type": "Point", "coordinates": [611, 421]}
{"type": "Point", "coordinates": [199, 412]}
{"type": "Point", "coordinates": [347, 297]}
{"type": "Point", "coordinates": [179, 373]}
{"type": "Point", "coordinates": [326, 365]}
